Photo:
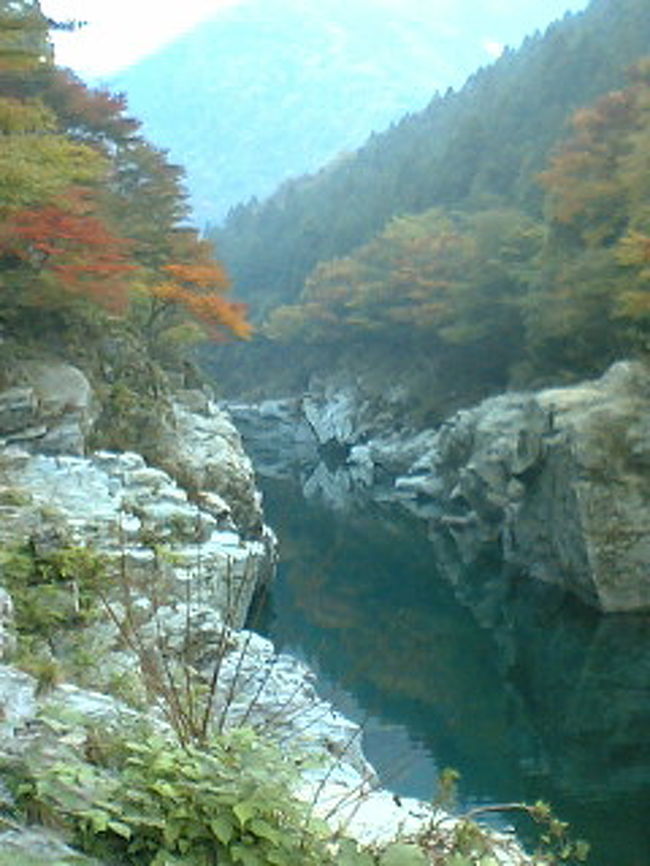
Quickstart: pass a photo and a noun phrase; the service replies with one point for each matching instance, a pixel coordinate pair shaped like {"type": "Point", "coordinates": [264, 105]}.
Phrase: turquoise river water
{"type": "Point", "coordinates": [524, 691]}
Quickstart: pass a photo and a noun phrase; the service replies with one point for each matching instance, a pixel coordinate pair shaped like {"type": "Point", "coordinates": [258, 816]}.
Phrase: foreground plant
{"type": "Point", "coordinates": [151, 801]}
{"type": "Point", "coordinates": [469, 844]}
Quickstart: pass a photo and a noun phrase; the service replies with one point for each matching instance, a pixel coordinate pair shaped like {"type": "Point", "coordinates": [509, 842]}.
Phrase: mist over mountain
{"type": "Point", "coordinates": [268, 90]}
{"type": "Point", "coordinates": [486, 142]}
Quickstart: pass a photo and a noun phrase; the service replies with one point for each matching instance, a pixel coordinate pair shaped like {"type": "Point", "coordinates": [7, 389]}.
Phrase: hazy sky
{"type": "Point", "coordinates": [119, 32]}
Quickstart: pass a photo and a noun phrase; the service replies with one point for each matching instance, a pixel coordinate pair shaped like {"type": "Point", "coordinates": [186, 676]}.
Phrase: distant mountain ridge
{"type": "Point", "coordinates": [486, 142]}
{"type": "Point", "coordinates": [275, 88]}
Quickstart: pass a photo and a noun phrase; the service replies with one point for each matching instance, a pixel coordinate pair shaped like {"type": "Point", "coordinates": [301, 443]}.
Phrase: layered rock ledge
{"type": "Point", "coordinates": [52, 493]}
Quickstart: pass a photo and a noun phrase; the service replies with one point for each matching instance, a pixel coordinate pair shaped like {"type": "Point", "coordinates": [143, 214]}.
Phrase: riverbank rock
{"type": "Point", "coordinates": [49, 408]}
{"type": "Point", "coordinates": [329, 442]}
{"type": "Point", "coordinates": [257, 687]}
{"type": "Point", "coordinates": [279, 436]}
{"type": "Point", "coordinates": [559, 479]}
{"type": "Point", "coordinates": [128, 511]}
{"type": "Point", "coordinates": [201, 448]}
{"type": "Point", "coordinates": [205, 508]}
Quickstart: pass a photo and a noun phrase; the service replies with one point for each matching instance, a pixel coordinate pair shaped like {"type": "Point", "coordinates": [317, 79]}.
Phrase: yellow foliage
{"type": "Point", "coordinates": [36, 168]}
{"type": "Point", "coordinates": [633, 249]}
{"type": "Point", "coordinates": [634, 305]}
{"type": "Point", "coordinates": [24, 116]}
{"type": "Point", "coordinates": [23, 38]}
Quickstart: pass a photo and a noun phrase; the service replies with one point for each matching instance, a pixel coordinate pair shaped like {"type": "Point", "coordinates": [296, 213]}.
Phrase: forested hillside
{"type": "Point", "coordinates": [482, 146]}
{"type": "Point", "coordinates": [499, 238]}
{"type": "Point", "coordinates": [567, 291]}
{"type": "Point", "coordinates": [93, 236]}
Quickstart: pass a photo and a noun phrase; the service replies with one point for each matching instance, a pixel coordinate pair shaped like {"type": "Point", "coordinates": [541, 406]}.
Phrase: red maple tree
{"type": "Point", "coordinates": [67, 241]}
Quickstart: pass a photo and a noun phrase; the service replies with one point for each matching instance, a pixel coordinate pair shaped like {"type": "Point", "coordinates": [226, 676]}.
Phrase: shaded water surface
{"type": "Point", "coordinates": [525, 692]}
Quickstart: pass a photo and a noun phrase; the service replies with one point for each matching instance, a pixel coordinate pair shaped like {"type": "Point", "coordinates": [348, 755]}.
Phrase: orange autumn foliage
{"type": "Point", "coordinates": [204, 276]}
{"type": "Point", "coordinates": [583, 181]}
{"type": "Point", "coordinates": [219, 317]}
{"type": "Point", "coordinates": [76, 248]}
{"type": "Point", "coordinates": [198, 289]}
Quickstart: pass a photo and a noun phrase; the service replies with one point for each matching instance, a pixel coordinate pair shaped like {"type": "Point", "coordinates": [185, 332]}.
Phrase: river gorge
{"type": "Point", "coordinates": [528, 694]}
{"type": "Point", "coordinates": [452, 661]}
{"type": "Point", "coordinates": [401, 605]}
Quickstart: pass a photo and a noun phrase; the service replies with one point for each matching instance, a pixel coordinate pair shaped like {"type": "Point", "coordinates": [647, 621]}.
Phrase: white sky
{"type": "Point", "coordinates": [119, 32]}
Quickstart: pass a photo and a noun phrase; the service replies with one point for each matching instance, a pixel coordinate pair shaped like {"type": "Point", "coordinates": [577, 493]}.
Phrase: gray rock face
{"type": "Point", "coordinates": [36, 846]}
{"type": "Point", "coordinates": [558, 478]}
{"type": "Point", "coordinates": [202, 450]}
{"type": "Point", "coordinates": [124, 508]}
{"type": "Point", "coordinates": [329, 441]}
{"type": "Point", "coordinates": [52, 495]}
{"type": "Point", "coordinates": [7, 625]}
{"type": "Point", "coordinates": [279, 435]}
{"type": "Point", "coordinates": [49, 409]}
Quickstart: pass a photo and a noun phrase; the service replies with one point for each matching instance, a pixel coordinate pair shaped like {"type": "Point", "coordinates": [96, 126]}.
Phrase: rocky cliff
{"type": "Point", "coordinates": [179, 555]}
{"type": "Point", "coordinates": [55, 491]}
{"type": "Point", "coordinates": [123, 576]}
{"type": "Point", "coordinates": [556, 480]}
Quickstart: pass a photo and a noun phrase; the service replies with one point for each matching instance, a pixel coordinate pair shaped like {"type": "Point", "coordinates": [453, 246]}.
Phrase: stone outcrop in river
{"type": "Point", "coordinates": [556, 479]}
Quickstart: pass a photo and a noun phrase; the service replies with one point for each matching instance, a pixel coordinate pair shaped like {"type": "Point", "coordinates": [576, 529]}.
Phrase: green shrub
{"type": "Point", "coordinates": [53, 590]}
{"type": "Point", "coordinates": [157, 804]}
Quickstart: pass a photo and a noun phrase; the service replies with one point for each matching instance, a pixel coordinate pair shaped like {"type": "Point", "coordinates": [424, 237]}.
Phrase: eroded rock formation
{"type": "Point", "coordinates": [556, 479]}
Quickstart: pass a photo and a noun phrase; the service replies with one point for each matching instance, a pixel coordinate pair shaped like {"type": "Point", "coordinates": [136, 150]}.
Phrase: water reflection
{"type": "Point", "coordinates": [525, 692]}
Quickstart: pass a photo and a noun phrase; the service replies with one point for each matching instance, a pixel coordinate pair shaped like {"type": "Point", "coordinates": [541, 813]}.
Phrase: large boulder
{"type": "Point", "coordinates": [202, 450]}
{"type": "Point", "coordinates": [558, 478]}
{"type": "Point", "coordinates": [593, 495]}
{"type": "Point", "coordinates": [48, 408]}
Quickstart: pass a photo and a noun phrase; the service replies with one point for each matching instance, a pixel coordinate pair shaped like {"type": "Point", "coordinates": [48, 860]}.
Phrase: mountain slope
{"type": "Point", "coordinates": [487, 141]}
{"type": "Point", "coordinates": [273, 88]}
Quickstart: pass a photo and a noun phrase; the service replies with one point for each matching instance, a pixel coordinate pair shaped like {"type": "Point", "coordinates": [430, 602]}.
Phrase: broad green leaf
{"type": "Point", "coordinates": [165, 790]}
{"type": "Point", "coordinates": [244, 811]}
{"type": "Point", "coordinates": [222, 828]}
{"type": "Point", "coordinates": [264, 830]}
{"type": "Point", "coordinates": [246, 856]}
{"type": "Point", "coordinates": [120, 828]}
{"type": "Point", "coordinates": [99, 820]}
